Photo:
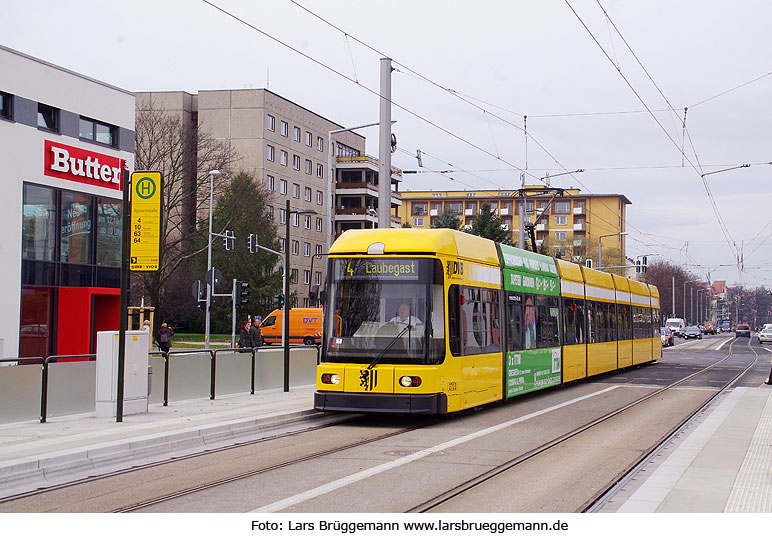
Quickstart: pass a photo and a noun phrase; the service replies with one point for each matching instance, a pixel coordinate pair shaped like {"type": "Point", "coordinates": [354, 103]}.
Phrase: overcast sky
{"type": "Point", "coordinates": [466, 75]}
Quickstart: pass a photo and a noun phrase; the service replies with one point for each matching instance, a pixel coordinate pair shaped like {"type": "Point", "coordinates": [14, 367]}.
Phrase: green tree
{"type": "Point", "coordinates": [447, 220]}
{"type": "Point", "coordinates": [242, 209]}
{"type": "Point", "coordinates": [488, 225]}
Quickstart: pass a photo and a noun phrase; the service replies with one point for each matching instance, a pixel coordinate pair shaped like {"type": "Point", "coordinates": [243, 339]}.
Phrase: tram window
{"type": "Point", "coordinates": [654, 323]}
{"type": "Point", "coordinates": [515, 320]}
{"type": "Point", "coordinates": [573, 321]}
{"type": "Point", "coordinates": [473, 320]}
{"type": "Point", "coordinates": [548, 321]}
{"type": "Point", "coordinates": [454, 320]}
{"type": "Point", "coordinates": [624, 332]}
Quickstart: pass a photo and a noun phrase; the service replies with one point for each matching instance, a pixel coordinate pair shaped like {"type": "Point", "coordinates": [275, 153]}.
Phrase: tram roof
{"type": "Point", "coordinates": [517, 259]}
{"type": "Point", "coordinates": [396, 241]}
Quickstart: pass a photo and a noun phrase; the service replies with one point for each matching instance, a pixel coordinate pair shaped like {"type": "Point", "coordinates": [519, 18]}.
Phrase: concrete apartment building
{"type": "Point", "coordinates": [286, 147]}
{"type": "Point", "coordinates": [571, 226]}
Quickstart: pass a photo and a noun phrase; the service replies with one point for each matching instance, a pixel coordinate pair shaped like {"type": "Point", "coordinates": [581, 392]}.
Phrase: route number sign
{"type": "Point", "coordinates": [145, 241]}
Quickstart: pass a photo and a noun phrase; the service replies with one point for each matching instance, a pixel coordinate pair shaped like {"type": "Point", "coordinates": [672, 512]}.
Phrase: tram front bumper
{"type": "Point", "coordinates": [414, 404]}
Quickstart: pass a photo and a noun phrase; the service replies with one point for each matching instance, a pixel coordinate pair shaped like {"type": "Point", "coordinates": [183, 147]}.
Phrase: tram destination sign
{"type": "Point", "coordinates": [146, 214]}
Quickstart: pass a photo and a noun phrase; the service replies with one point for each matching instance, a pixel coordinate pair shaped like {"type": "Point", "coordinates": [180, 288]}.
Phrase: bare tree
{"type": "Point", "coordinates": [167, 141]}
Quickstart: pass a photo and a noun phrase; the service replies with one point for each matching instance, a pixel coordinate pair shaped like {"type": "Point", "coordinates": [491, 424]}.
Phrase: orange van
{"type": "Point", "coordinates": [305, 326]}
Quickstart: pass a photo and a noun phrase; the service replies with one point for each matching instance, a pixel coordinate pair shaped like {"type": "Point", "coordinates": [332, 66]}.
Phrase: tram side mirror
{"type": "Point", "coordinates": [313, 294]}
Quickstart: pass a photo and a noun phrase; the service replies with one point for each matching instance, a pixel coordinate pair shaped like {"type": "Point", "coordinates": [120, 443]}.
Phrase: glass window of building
{"type": "Point", "coordinates": [5, 106]}
{"type": "Point", "coordinates": [48, 117]}
{"type": "Point", "coordinates": [271, 123]}
{"type": "Point", "coordinates": [306, 276]}
{"type": "Point", "coordinates": [296, 162]}
{"type": "Point", "coordinates": [309, 167]}
{"type": "Point", "coordinates": [296, 134]}
{"type": "Point", "coordinates": [307, 221]}
{"type": "Point", "coordinates": [99, 132]}
{"type": "Point", "coordinates": [284, 128]}
{"type": "Point", "coordinates": [282, 186]}
{"type": "Point", "coordinates": [560, 235]}
{"type": "Point", "coordinates": [282, 216]}
{"type": "Point", "coordinates": [320, 170]}
{"type": "Point", "coordinates": [270, 183]}
{"type": "Point", "coordinates": [318, 278]}
{"type": "Point", "coordinates": [296, 190]}
{"type": "Point", "coordinates": [269, 153]}
{"type": "Point", "coordinates": [283, 157]}
{"type": "Point", "coordinates": [295, 219]}
{"type": "Point", "coordinates": [319, 197]}
{"type": "Point", "coordinates": [76, 228]}
{"type": "Point", "coordinates": [309, 139]}
{"type": "Point", "coordinates": [419, 209]}
{"type": "Point", "coordinates": [561, 220]}
{"type": "Point", "coordinates": [318, 224]}
{"type": "Point", "coordinates": [563, 207]}
{"type": "Point", "coordinates": [307, 193]}
{"type": "Point", "coordinates": [109, 232]}
{"type": "Point", "coordinates": [320, 144]}
{"type": "Point", "coordinates": [307, 249]}
{"type": "Point", "coordinates": [295, 246]}
{"type": "Point", "coordinates": [39, 223]}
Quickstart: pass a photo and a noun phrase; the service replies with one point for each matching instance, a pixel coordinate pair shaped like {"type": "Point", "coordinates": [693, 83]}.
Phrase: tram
{"type": "Point", "coordinates": [436, 321]}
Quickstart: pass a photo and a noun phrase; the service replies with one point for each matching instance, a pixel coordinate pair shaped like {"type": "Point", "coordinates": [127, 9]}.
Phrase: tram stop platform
{"type": "Point", "coordinates": [720, 463]}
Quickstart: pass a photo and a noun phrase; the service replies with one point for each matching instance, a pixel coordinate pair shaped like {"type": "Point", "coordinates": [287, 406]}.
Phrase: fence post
{"type": "Point", "coordinates": [212, 371]}
{"type": "Point", "coordinates": [252, 379]}
{"type": "Point", "coordinates": [44, 392]}
{"type": "Point", "coordinates": [166, 378]}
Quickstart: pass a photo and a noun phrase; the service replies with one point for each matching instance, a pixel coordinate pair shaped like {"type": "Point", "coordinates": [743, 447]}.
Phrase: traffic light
{"type": "Point", "coordinates": [251, 243]}
{"type": "Point", "coordinates": [279, 301]}
{"type": "Point", "coordinates": [638, 265]}
{"type": "Point", "coordinates": [229, 239]}
{"type": "Point", "coordinates": [242, 293]}
{"type": "Point", "coordinates": [644, 263]}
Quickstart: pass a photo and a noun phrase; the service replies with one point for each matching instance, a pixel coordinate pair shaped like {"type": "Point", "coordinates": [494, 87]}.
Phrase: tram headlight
{"type": "Point", "coordinates": [410, 381]}
{"type": "Point", "coordinates": [330, 379]}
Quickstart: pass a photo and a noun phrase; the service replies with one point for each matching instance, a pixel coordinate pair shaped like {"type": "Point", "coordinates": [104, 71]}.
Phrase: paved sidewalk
{"type": "Point", "coordinates": [69, 448]}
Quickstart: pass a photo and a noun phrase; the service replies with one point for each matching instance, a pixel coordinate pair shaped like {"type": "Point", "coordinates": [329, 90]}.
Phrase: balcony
{"type": "Point", "coordinates": [580, 227]}
{"type": "Point", "coordinates": [579, 211]}
{"type": "Point", "coordinates": [504, 212]}
{"type": "Point", "coordinates": [434, 212]}
{"type": "Point", "coordinates": [468, 212]}
{"type": "Point", "coordinates": [541, 227]}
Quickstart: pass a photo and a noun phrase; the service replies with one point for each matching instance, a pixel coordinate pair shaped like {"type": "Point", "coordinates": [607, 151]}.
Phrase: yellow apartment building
{"type": "Point", "coordinates": [570, 226]}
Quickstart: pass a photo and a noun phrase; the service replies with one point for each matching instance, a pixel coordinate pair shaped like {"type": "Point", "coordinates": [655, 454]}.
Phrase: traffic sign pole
{"type": "Point", "coordinates": [123, 301]}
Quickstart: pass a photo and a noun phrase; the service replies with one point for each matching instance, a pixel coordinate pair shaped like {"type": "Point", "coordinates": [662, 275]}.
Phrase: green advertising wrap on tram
{"type": "Point", "coordinates": [532, 289]}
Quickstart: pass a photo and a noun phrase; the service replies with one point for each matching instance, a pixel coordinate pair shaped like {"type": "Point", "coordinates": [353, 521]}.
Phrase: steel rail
{"type": "Point", "coordinates": [497, 470]}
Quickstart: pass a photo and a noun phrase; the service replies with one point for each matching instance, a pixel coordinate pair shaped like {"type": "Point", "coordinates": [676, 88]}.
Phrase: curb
{"type": "Point", "coordinates": [29, 473]}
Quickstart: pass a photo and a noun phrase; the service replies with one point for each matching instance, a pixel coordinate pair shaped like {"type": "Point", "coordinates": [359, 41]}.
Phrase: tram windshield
{"type": "Point", "coordinates": [385, 309]}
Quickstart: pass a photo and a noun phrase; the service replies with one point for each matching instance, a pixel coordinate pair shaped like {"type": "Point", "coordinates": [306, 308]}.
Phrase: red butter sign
{"type": "Point", "coordinates": [79, 165]}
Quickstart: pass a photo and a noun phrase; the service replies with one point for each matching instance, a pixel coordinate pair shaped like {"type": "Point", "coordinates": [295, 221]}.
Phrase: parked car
{"type": "Point", "coordinates": [765, 335]}
{"type": "Point", "coordinates": [742, 330]}
{"type": "Point", "coordinates": [691, 332]}
{"type": "Point", "coordinates": [667, 336]}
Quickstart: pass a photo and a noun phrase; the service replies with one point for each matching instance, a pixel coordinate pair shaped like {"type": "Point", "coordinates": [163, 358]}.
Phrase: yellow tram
{"type": "Point", "coordinates": [437, 321]}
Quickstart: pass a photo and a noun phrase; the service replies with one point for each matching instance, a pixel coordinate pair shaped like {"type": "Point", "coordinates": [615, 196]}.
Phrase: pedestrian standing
{"type": "Point", "coordinates": [245, 341]}
{"type": "Point", "coordinates": [255, 334]}
{"type": "Point", "coordinates": [164, 337]}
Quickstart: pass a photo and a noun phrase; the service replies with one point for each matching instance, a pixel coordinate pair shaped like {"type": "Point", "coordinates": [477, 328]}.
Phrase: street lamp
{"type": "Point", "coordinates": [287, 278]}
{"type": "Point", "coordinates": [209, 269]}
{"type": "Point", "coordinates": [600, 244]}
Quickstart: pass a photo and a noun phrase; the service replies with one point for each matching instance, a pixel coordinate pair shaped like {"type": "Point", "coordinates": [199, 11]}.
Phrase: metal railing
{"type": "Point", "coordinates": [46, 361]}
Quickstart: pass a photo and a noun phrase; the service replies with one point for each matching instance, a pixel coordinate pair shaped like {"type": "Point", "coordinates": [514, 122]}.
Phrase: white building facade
{"type": "Point", "coordinates": [67, 140]}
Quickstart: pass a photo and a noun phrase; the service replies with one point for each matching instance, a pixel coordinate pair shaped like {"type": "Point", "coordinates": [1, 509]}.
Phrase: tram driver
{"type": "Point", "coordinates": [404, 316]}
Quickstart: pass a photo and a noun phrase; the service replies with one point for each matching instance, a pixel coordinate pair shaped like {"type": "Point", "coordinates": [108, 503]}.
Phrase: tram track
{"type": "Point", "coordinates": [618, 483]}
{"type": "Point", "coordinates": [201, 487]}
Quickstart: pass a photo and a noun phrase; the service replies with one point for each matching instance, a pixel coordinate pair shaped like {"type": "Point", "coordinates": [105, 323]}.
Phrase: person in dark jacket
{"type": "Point", "coordinates": [255, 334]}
{"type": "Point", "coordinates": [245, 341]}
{"type": "Point", "coordinates": [164, 337]}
